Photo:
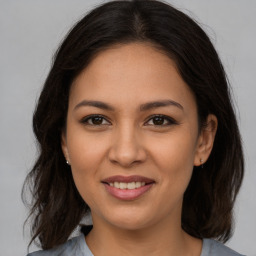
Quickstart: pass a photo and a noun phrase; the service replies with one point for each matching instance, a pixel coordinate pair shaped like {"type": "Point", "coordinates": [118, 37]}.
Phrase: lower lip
{"type": "Point", "coordinates": [127, 194]}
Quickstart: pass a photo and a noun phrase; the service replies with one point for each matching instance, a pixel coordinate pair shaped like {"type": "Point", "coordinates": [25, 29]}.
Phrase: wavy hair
{"type": "Point", "coordinates": [57, 208]}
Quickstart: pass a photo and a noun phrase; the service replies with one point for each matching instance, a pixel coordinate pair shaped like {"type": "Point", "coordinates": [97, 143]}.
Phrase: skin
{"type": "Point", "coordinates": [130, 142]}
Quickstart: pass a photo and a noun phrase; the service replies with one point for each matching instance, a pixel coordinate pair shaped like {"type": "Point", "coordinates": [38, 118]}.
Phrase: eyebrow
{"type": "Point", "coordinates": [162, 103]}
{"type": "Point", "coordinates": [143, 107]}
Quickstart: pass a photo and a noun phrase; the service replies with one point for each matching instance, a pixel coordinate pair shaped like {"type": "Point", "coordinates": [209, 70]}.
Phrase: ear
{"type": "Point", "coordinates": [64, 146]}
{"type": "Point", "coordinates": [205, 140]}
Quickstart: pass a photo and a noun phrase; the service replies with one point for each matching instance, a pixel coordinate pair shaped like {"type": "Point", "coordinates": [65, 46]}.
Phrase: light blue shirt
{"type": "Point", "coordinates": [77, 247]}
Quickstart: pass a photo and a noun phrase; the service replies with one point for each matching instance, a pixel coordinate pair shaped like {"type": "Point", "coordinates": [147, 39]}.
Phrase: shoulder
{"type": "Point", "coordinates": [214, 248]}
{"type": "Point", "coordinates": [74, 247]}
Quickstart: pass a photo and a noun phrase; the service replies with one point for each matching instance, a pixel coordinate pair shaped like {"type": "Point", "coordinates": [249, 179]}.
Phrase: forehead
{"type": "Point", "coordinates": [135, 72]}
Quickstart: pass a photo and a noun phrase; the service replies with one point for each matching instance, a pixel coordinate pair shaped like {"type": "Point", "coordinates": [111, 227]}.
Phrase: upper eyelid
{"type": "Point", "coordinates": [160, 115]}
{"type": "Point", "coordinates": [170, 119]}
{"type": "Point", "coordinates": [91, 116]}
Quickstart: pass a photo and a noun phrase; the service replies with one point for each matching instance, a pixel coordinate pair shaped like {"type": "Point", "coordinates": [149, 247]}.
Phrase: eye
{"type": "Point", "coordinates": [161, 120]}
{"type": "Point", "coordinates": [95, 120]}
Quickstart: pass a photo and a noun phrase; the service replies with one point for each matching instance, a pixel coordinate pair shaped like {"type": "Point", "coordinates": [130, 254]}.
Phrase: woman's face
{"type": "Point", "coordinates": [132, 137]}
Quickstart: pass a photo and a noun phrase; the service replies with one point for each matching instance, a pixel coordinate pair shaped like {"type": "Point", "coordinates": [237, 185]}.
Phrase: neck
{"type": "Point", "coordinates": [164, 238]}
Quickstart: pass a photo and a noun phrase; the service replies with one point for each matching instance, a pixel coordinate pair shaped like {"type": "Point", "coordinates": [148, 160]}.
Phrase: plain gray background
{"type": "Point", "coordinates": [30, 32]}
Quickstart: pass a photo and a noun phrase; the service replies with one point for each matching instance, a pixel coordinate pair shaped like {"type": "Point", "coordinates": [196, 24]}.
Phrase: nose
{"type": "Point", "coordinates": [127, 147]}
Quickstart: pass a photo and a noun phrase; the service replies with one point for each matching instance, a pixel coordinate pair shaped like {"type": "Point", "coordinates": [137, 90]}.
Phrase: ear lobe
{"type": "Point", "coordinates": [206, 140]}
{"type": "Point", "coordinates": [64, 146]}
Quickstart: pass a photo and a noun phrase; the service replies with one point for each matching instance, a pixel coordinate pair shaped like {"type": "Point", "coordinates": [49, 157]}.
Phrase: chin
{"type": "Point", "coordinates": [129, 222]}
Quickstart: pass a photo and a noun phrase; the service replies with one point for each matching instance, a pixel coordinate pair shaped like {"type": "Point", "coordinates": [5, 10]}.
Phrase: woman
{"type": "Point", "coordinates": [136, 126]}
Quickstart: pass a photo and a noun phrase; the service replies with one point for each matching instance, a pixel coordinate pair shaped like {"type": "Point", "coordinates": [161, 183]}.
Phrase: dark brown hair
{"type": "Point", "coordinates": [57, 206]}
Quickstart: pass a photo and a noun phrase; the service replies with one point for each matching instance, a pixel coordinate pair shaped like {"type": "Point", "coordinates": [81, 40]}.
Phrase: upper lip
{"type": "Point", "coordinates": [127, 179]}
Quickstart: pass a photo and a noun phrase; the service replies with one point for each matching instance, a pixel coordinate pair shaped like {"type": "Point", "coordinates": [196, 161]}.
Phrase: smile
{"type": "Point", "coordinates": [127, 188]}
{"type": "Point", "coordinates": [130, 185]}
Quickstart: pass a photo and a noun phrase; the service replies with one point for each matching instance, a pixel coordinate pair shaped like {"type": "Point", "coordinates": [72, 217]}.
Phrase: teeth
{"type": "Point", "coordinates": [123, 185]}
{"type": "Point", "coordinates": [117, 185]}
{"type": "Point", "coordinates": [139, 184]}
{"type": "Point", "coordinates": [130, 185]}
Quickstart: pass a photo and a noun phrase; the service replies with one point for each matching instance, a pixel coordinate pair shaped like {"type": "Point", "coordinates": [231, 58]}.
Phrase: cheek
{"type": "Point", "coordinates": [176, 149]}
{"type": "Point", "coordinates": [175, 157]}
{"type": "Point", "coordinates": [85, 150]}
{"type": "Point", "coordinates": [86, 155]}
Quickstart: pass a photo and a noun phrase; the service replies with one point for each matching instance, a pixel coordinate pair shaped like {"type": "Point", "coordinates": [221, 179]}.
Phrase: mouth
{"type": "Point", "coordinates": [128, 182]}
{"type": "Point", "coordinates": [127, 187]}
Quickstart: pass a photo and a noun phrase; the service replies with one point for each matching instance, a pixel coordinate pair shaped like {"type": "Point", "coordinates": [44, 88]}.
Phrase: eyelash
{"type": "Point", "coordinates": [170, 120]}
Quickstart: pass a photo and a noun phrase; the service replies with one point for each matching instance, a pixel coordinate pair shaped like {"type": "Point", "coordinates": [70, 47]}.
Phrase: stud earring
{"type": "Point", "coordinates": [67, 162]}
{"type": "Point", "coordinates": [201, 161]}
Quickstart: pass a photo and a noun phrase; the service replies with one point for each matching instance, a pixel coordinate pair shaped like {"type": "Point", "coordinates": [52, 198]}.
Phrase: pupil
{"type": "Point", "coordinates": [97, 120]}
{"type": "Point", "coordinates": [158, 120]}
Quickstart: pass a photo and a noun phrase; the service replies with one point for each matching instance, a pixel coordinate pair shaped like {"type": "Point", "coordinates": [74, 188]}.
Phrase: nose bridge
{"type": "Point", "coordinates": [126, 146]}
